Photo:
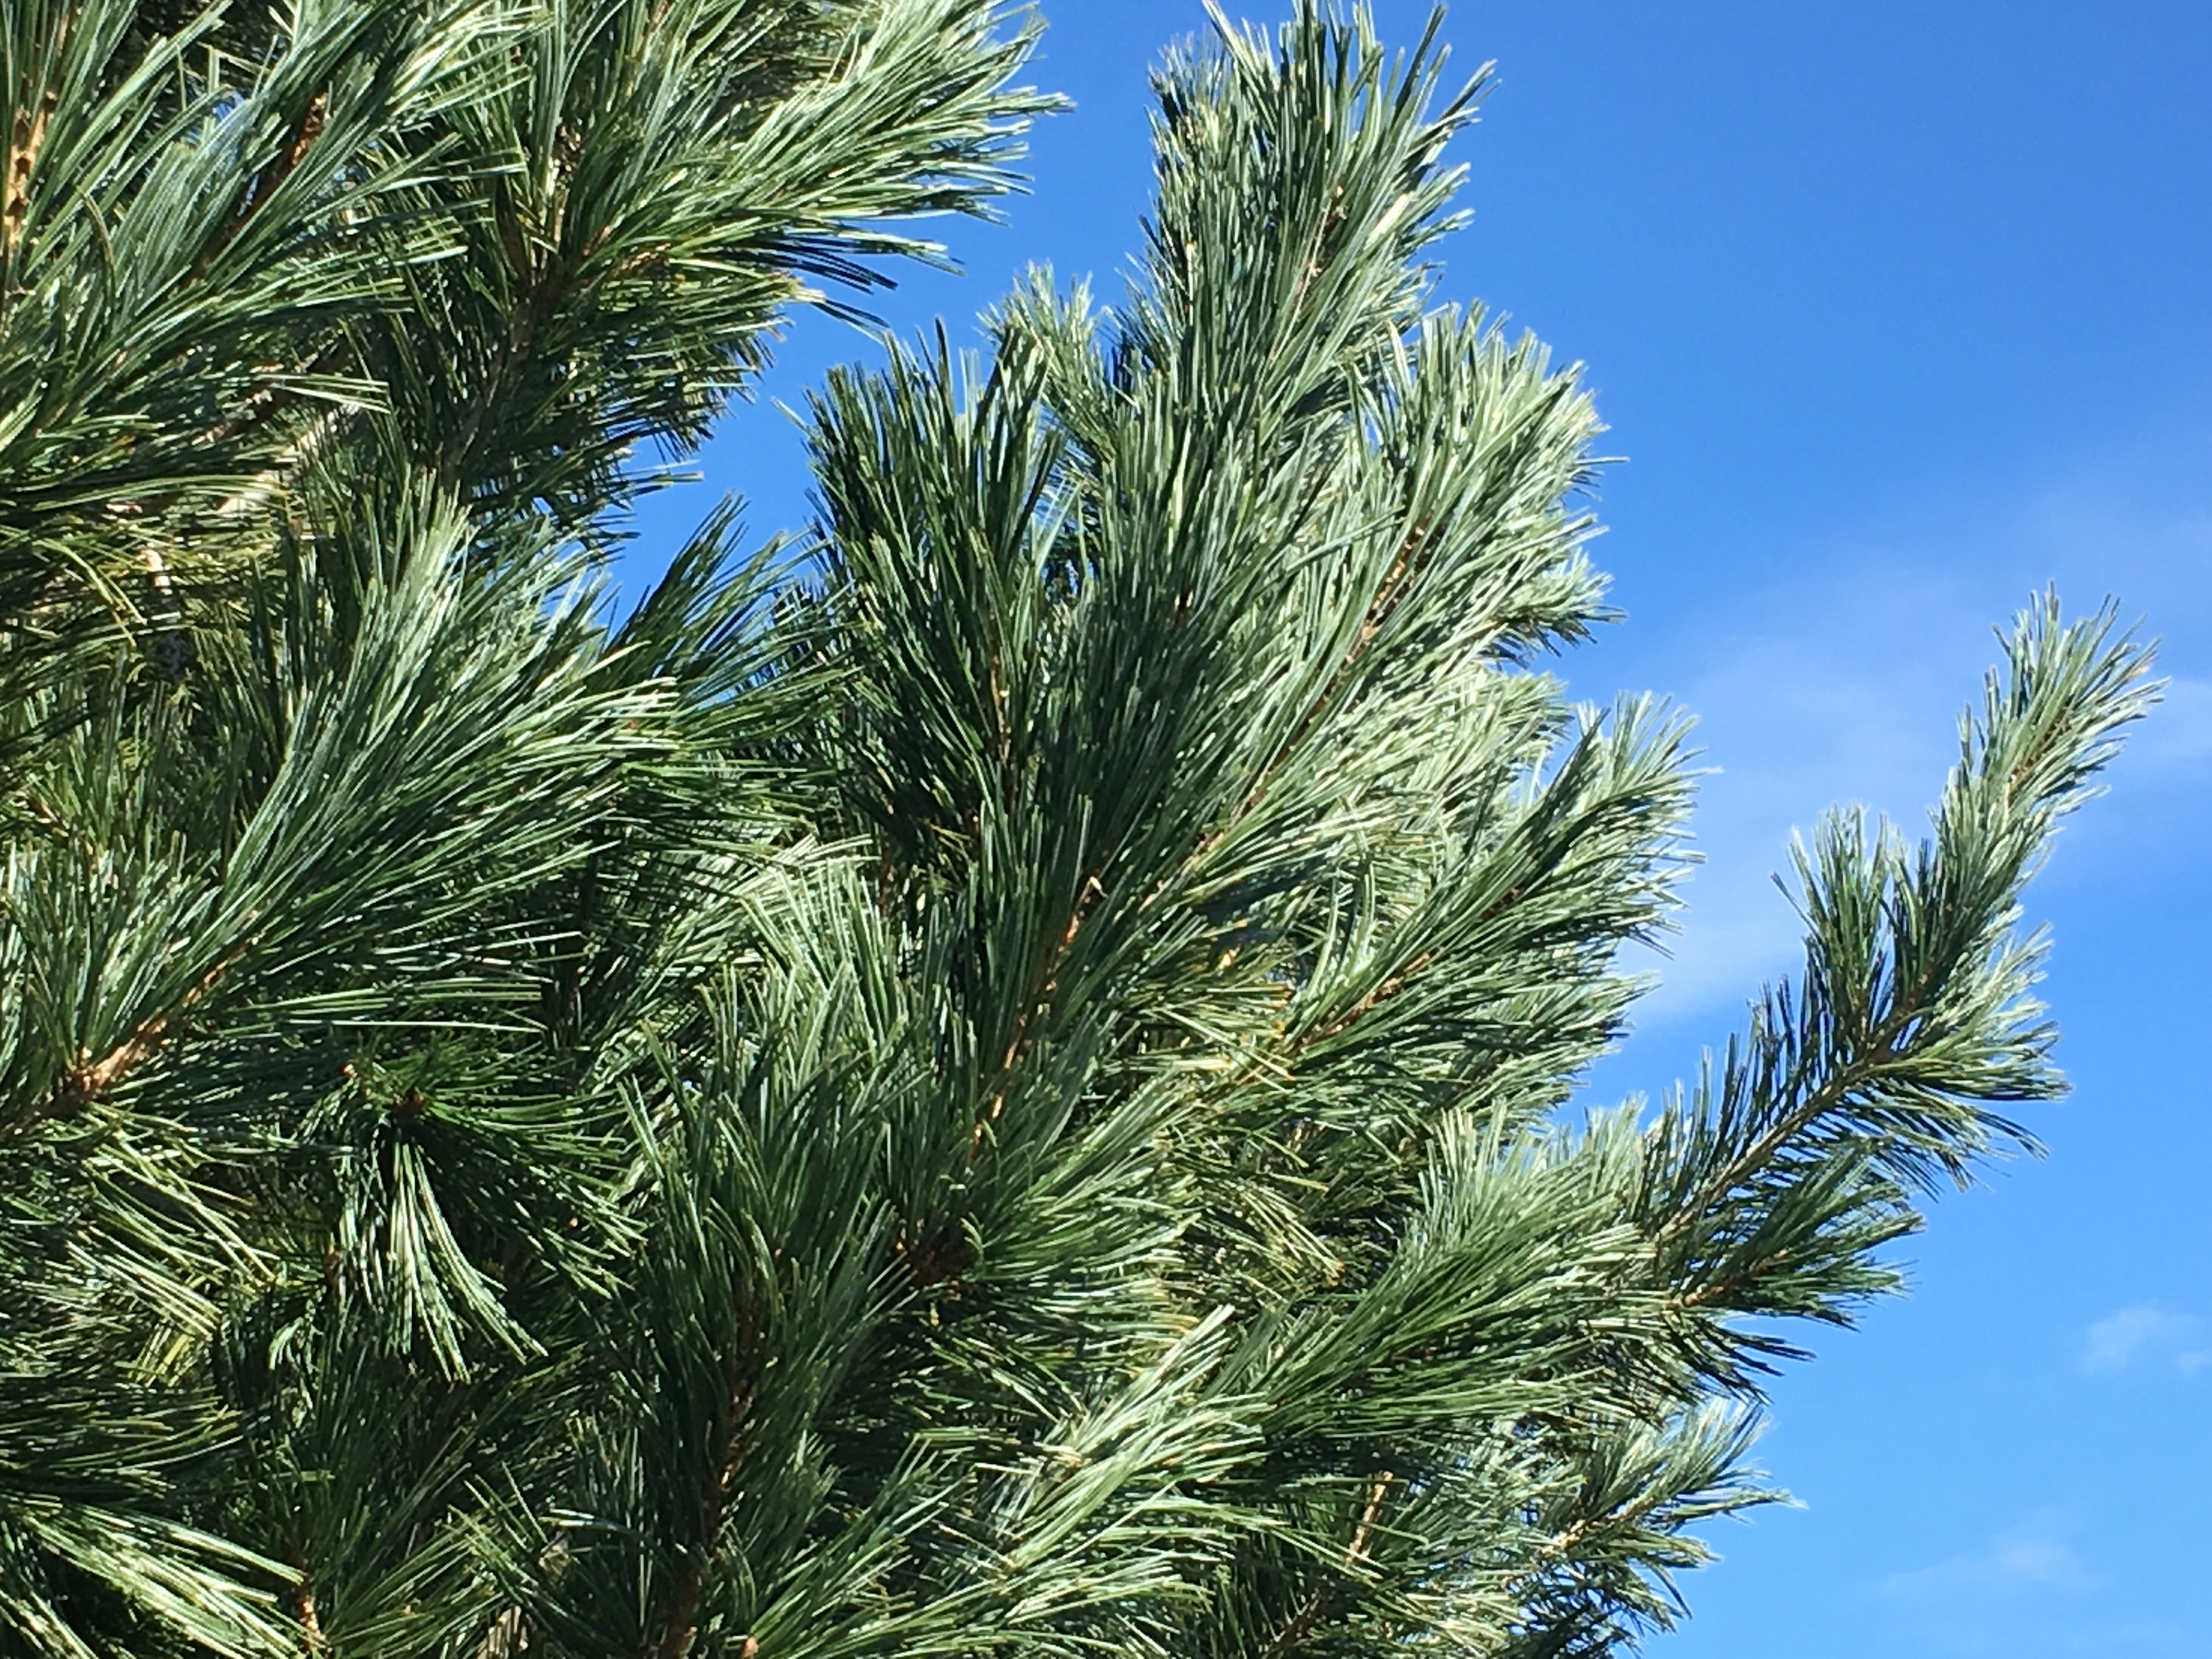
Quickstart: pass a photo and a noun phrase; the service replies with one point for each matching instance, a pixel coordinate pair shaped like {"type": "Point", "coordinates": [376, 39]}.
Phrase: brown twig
{"type": "Point", "coordinates": [92, 1079]}
{"type": "Point", "coordinates": [682, 1626]}
{"type": "Point", "coordinates": [1310, 1610]}
{"type": "Point", "coordinates": [26, 134]}
{"type": "Point", "coordinates": [265, 181]}
{"type": "Point", "coordinates": [303, 1606]}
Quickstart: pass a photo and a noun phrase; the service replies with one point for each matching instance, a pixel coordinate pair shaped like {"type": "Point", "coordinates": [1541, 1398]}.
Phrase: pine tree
{"type": "Point", "coordinates": [991, 1080]}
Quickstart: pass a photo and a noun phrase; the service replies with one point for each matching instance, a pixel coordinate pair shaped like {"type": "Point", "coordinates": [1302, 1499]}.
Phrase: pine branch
{"type": "Point", "coordinates": [1914, 1014]}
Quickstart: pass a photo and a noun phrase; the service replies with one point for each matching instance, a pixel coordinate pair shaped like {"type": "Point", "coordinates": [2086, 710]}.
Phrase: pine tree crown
{"type": "Point", "coordinates": [998, 1077]}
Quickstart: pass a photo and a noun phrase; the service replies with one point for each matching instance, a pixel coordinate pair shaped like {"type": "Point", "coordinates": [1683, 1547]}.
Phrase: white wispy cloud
{"type": "Point", "coordinates": [2033, 1556]}
{"type": "Point", "coordinates": [2145, 1334]}
{"type": "Point", "coordinates": [1810, 690]}
{"type": "Point", "coordinates": [2178, 731]}
{"type": "Point", "coordinates": [1860, 707]}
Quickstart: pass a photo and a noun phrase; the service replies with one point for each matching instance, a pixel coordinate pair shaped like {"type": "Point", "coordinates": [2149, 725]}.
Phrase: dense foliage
{"type": "Point", "coordinates": [988, 1080]}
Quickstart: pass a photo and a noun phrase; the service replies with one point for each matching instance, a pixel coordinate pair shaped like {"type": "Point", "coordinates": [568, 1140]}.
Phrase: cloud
{"type": "Point", "coordinates": [2032, 1556]}
{"type": "Point", "coordinates": [1809, 690]}
{"type": "Point", "coordinates": [2178, 730]}
{"type": "Point", "coordinates": [1794, 715]}
{"type": "Point", "coordinates": [2121, 1340]}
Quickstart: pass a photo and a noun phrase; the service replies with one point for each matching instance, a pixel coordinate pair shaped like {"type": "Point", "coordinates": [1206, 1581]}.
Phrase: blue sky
{"type": "Point", "coordinates": [1900, 309]}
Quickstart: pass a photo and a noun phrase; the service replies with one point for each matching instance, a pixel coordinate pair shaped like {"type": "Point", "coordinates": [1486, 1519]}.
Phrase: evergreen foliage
{"type": "Point", "coordinates": [987, 1083]}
